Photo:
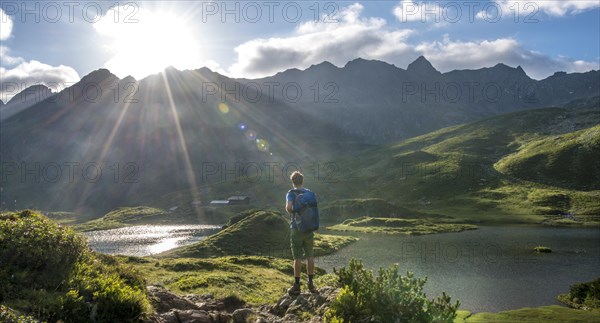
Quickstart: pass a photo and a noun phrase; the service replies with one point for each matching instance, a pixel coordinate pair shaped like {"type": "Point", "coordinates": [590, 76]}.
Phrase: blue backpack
{"type": "Point", "coordinates": [306, 211]}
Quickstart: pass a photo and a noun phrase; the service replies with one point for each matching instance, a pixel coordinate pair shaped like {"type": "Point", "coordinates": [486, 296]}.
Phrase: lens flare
{"type": "Point", "coordinates": [242, 126]}
{"type": "Point", "coordinates": [223, 108]}
{"type": "Point", "coordinates": [262, 145]}
{"type": "Point", "coordinates": [251, 134]}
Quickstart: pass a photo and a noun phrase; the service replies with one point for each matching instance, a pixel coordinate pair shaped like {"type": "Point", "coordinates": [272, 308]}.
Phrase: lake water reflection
{"type": "Point", "coordinates": [493, 268]}
{"type": "Point", "coordinates": [145, 240]}
{"type": "Point", "coordinates": [489, 269]}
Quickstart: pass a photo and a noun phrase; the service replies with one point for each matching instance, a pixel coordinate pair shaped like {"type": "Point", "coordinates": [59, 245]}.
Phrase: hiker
{"type": "Point", "coordinates": [301, 242]}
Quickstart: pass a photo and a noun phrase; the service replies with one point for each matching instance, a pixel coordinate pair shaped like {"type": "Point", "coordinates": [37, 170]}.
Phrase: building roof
{"type": "Point", "coordinates": [219, 202]}
{"type": "Point", "coordinates": [238, 197]}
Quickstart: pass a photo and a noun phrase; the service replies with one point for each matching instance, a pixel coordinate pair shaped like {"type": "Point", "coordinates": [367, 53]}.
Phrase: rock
{"type": "Point", "coordinates": [315, 304]}
{"type": "Point", "coordinates": [306, 307]}
{"type": "Point", "coordinates": [164, 301]}
{"type": "Point", "coordinates": [241, 315]}
{"type": "Point", "coordinates": [211, 306]}
{"type": "Point", "coordinates": [222, 317]}
{"type": "Point", "coordinates": [188, 316]}
{"type": "Point", "coordinates": [290, 318]}
{"type": "Point", "coordinates": [199, 298]}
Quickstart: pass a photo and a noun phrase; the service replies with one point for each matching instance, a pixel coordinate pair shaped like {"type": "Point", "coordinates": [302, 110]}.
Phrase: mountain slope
{"type": "Point", "coordinates": [451, 171]}
{"type": "Point", "coordinates": [24, 100]}
{"type": "Point", "coordinates": [183, 136]}
{"type": "Point", "coordinates": [571, 160]}
{"type": "Point", "coordinates": [384, 103]}
{"type": "Point", "coordinates": [95, 155]}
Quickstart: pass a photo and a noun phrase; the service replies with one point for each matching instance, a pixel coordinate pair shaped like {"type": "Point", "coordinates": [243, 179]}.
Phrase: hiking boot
{"type": "Point", "coordinates": [311, 287]}
{"type": "Point", "coordinates": [294, 290]}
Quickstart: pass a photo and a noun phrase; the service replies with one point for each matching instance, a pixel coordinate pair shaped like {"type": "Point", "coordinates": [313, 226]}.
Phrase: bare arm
{"type": "Point", "coordinates": [289, 207]}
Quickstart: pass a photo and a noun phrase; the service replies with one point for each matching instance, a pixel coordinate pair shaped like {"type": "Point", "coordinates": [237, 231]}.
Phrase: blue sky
{"type": "Point", "coordinates": [52, 41]}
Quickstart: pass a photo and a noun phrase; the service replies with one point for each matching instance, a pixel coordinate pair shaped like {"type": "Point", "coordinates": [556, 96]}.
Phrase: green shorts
{"type": "Point", "coordinates": [302, 243]}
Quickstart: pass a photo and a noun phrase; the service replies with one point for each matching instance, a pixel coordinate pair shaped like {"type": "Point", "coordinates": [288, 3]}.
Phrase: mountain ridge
{"type": "Point", "coordinates": [189, 133]}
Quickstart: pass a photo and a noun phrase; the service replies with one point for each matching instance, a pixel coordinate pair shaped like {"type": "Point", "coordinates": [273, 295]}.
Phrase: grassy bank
{"type": "Point", "coordinates": [256, 233]}
{"type": "Point", "coordinates": [142, 215]}
{"type": "Point", "coordinates": [552, 313]}
{"type": "Point", "coordinates": [399, 226]}
{"type": "Point", "coordinates": [126, 216]}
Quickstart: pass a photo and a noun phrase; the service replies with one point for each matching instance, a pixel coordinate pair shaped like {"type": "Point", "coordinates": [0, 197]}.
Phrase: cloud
{"type": "Point", "coordinates": [6, 25]}
{"type": "Point", "coordinates": [448, 55]}
{"type": "Point", "coordinates": [6, 59]}
{"type": "Point", "coordinates": [356, 36]}
{"type": "Point", "coordinates": [17, 74]}
{"type": "Point", "coordinates": [314, 42]}
{"type": "Point", "coordinates": [552, 8]}
{"type": "Point", "coordinates": [33, 72]}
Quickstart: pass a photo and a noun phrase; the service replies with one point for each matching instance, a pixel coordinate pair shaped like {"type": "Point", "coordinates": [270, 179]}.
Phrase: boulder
{"type": "Point", "coordinates": [165, 301]}
{"type": "Point", "coordinates": [242, 315]}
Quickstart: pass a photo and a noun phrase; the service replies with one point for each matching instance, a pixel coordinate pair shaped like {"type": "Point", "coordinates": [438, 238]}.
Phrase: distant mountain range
{"type": "Point", "coordinates": [23, 100]}
{"type": "Point", "coordinates": [171, 130]}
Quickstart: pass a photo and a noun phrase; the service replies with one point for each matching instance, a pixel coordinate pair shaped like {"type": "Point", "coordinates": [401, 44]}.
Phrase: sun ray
{"type": "Point", "coordinates": [105, 148]}
{"type": "Point", "coordinates": [191, 176]}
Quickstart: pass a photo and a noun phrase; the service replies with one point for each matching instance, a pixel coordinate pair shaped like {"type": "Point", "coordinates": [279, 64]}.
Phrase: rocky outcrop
{"type": "Point", "coordinates": [171, 308]}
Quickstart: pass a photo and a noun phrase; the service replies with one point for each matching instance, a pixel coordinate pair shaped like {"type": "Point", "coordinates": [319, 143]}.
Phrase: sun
{"type": "Point", "coordinates": [147, 42]}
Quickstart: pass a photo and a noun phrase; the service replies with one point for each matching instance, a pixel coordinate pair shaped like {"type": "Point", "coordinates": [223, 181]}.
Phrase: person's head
{"type": "Point", "coordinates": [297, 179]}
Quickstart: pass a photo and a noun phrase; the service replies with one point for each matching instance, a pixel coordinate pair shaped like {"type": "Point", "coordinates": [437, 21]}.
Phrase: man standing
{"type": "Point", "coordinates": [301, 242]}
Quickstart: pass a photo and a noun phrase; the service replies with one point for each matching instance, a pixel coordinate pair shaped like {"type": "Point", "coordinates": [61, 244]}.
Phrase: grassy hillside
{"type": "Point", "coordinates": [399, 226]}
{"type": "Point", "coordinates": [451, 171]}
{"type": "Point", "coordinates": [571, 160]}
{"type": "Point", "coordinates": [125, 216]}
{"type": "Point", "coordinates": [256, 233]}
{"type": "Point", "coordinates": [343, 209]}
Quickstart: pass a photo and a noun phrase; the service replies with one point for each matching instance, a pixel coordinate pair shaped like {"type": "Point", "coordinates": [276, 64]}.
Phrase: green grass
{"type": "Point", "coordinates": [552, 313]}
{"type": "Point", "coordinates": [399, 226]}
{"type": "Point", "coordinates": [542, 249]}
{"type": "Point", "coordinates": [460, 171]}
{"type": "Point", "coordinates": [255, 279]}
{"type": "Point", "coordinates": [126, 216]}
{"type": "Point", "coordinates": [570, 160]}
{"type": "Point", "coordinates": [256, 233]}
{"type": "Point", "coordinates": [343, 209]}
{"type": "Point", "coordinates": [49, 272]}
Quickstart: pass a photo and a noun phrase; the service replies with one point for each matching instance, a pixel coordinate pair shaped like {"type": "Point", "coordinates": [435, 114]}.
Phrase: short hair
{"type": "Point", "coordinates": [297, 178]}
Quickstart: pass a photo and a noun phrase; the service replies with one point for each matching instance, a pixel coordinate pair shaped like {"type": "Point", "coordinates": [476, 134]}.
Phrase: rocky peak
{"type": "Point", "coordinates": [422, 66]}
{"type": "Point", "coordinates": [36, 92]}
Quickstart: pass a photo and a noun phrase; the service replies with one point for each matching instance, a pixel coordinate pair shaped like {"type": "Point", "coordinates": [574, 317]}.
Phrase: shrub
{"type": "Point", "coordinates": [587, 294]}
{"type": "Point", "coordinates": [9, 316]}
{"type": "Point", "coordinates": [47, 271]}
{"type": "Point", "coordinates": [37, 252]}
{"type": "Point", "coordinates": [389, 297]}
{"type": "Point", "coordinates": [542, 249]}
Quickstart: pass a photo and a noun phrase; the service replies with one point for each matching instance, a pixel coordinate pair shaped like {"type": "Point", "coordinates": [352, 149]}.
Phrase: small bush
{"type": "Point", "coordinates": [389, 297]}
{"type": "Point", "coordinates": [542, 249]}
{"type": "Point", "coordinates": [587, 294]}
{"type": "Point", "coordinates": [48, 272]}
{"type": "Point", "coordinates": [9, 316]}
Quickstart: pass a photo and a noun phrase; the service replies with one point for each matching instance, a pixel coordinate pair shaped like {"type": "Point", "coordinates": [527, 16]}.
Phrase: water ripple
{"type": "Point", "coordinates": [146, 240]}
